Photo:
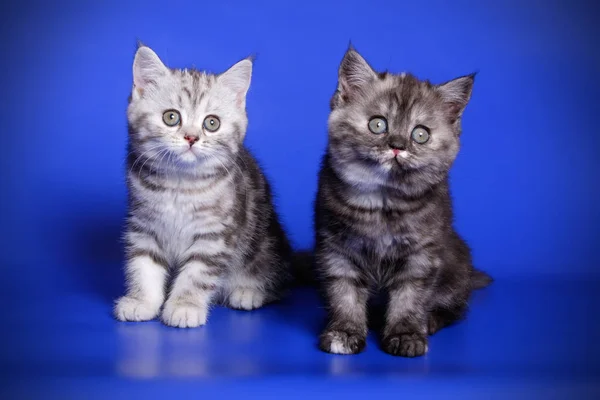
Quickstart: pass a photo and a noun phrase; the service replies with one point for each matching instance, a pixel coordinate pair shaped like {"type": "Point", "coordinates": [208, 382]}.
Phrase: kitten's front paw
{"type": "Point", "coordinates": [184, 315]}
{"type": "Point", "coordinates": [130, 309]}
{"type": "Point", "coordinates": [405, 345]}
{"type": "Point", "coordinates": [246, 299]}
{"type": "Point", "coordinates": [340, 342]}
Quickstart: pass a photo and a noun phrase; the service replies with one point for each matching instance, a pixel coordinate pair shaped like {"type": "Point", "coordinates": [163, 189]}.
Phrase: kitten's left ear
{"type": "Point", "coordinates": [354, 73]}
{"type": "Point", "coordinates": [457, 93]}
{"type": "Point", "coordinates": [237, 78]}
{"type": "Point", "coordinates": [147, 70]}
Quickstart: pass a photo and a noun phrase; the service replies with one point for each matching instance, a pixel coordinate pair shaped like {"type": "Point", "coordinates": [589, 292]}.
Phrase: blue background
{"type": "Point", "coordinates": [526, 187]}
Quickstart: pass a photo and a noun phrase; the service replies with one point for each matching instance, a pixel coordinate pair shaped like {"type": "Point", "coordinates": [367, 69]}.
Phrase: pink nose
{"type": "Point", "coordinates": [396, 151]}
{"type": "Point", "coordinates": [191, 139]}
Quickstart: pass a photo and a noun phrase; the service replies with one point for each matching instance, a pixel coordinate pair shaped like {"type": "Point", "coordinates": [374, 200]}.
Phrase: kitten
{"type": "Point", "coordinates": [201, 220]}
{"type": "Point", "coordinates": [383, 212]}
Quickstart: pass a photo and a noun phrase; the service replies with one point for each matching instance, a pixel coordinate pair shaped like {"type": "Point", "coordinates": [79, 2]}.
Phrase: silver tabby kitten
{"type": "Point", "coordinates": [201, 224]}
{"type": "Point", "coordinates": [383, 210]}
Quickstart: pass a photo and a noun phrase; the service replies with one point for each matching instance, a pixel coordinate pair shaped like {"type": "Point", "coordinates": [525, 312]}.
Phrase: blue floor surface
{"type": "Point", "coordinates": [521, 340]}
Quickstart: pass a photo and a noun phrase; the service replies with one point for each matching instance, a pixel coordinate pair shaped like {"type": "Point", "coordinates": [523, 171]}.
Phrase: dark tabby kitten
{"type": "Point", "coordinates": [383, 210]}
{"type": "Point", "coordinates": [200, 210]}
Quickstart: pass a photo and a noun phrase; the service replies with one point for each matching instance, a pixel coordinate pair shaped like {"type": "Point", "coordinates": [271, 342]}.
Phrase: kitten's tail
{"type": "Point", "coordinates": [302, 267]}
{"type": "Point", "coordinates": [480, 279]}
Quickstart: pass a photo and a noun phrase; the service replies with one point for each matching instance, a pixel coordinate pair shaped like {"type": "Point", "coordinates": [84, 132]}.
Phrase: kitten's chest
{"type": "Point", "coordinates": [175, 216]}
{"type": "Point", "coordinates": [181, 216]}
{"type": "Point", "coordinates": [384, 222]}
{"type": "Point", "coordinates": [390, 242]}
{"type": "Point", "coordinates": [392, 237]}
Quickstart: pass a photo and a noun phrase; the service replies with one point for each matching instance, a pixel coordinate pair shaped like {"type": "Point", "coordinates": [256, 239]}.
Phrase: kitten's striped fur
{"type": "Point", "coordinates": [384, 214]}
{"type": "Point", "coordinates": [201, 224]}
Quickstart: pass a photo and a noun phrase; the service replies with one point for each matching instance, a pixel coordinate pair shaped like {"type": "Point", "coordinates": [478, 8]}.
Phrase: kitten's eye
{"type": "Point", "coordinates": [211, 123]}
{"type": "Point", "coordinates": [378, 125]}
{"type": "Point", "coordinates": [171, 117]}
{"type": "Point", "coordinates": [420, 134]}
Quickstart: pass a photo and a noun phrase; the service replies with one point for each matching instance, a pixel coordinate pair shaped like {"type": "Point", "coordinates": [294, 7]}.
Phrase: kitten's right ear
{"type": "Point", "coordinates": [457, 93]}
{"type": "Point", "coordinates": [147, 70]}
{"type": "Point", "coordinates": [237, 78]}
{"type": "Point", "coordinates": [354, 74]}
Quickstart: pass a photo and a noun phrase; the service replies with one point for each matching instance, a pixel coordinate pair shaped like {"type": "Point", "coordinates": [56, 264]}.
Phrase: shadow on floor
{"type": "Point", "coordinates": [97, 250]}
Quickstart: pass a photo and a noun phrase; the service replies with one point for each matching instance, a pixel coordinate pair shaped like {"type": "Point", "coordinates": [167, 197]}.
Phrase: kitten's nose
{"type": "Point", "coordinates": [191, 139]}
{"type": "Point", "coordinates": [397, 145]}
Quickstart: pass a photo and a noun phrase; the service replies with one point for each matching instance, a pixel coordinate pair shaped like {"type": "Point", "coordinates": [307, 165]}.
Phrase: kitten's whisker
{"type": "Point", "coordinates": [170, 162]}
{"type": "Point", "coordinates": [243, 161]}
{"type": "Point", "coordinates": [221, 162]}
{"type": "Point", "coordinates": [152, 164]}
{"type": "Point", "coordinates": [157, 161]}
{"type": "Point", "coordinates": [153, 148]}
{"type": "Point", "coordinates": [232, 163]}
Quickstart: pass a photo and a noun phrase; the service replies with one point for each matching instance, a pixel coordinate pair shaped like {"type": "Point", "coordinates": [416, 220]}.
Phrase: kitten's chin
{"type": "Point", "coordinates": [397, 163]}
{"type": "Point", "coordinates": [188, 156]}
{"type": "Point", "coordinates": [190, 160]}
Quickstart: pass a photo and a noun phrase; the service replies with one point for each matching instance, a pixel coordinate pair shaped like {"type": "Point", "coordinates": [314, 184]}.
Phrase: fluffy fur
{"type": "Point", "coordinates": [201, 224]}
{"type": "Point", "coordinates": [383, 211]}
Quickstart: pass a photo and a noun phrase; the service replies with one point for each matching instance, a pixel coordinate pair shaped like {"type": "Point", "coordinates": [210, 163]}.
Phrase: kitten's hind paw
{"type": "Point", "coordinates": [440, 318]}
{"type": "Point", "coordinates": [130, 309]}
{"type": "Point", "coordinates": [435, 322]}
{"type": "Point", "coordinates": [405, 345]}
{"type": "Point", "coordinates": [340, 342]}
{"type": "Point", "coordinates": [184, 315]}
{"type": "Point", "coordinates": [246, 299]}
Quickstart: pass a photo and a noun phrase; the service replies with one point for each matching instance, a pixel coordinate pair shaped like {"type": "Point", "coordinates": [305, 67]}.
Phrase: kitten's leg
{"type": "Point", "coordinates": [197, 280]}
{"type": "Point", "coordinates": [346, 296]}
{"type": "Point", "coordinates": [449, 302]}
{"type": "Point", "coordinates": [265, 271]}
{"type": "Point", "coordinates": [146, 274]}
{"type": "Point", "coordinates": [251, 285]}
{"type": "Point", "coordinates": [405, 332]}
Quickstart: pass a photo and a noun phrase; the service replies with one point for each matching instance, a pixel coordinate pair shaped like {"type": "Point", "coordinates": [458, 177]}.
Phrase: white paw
{"type": "Point", "coordinates": [340, 342]}
{"type": "Point", "coordinates": [130, 309]}
{"type": "Point", "coordinates": [184, 315]}
{"type": "Point", "coordinates": [339, 347]}
{"type": "Point", "coordinates": [246, 298]}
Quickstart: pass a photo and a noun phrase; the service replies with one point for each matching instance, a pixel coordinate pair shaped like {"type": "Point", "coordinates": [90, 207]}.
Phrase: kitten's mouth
{"type": "Point", "coordinates": [189, 155]}
{"type": "Point", "coordinates": [396, 160]}
{"type": "Point", "coordinates": [401, 158]}
{"type": "Point", "coordinates": [195, 155]}
{"type": "Point", "coordinates": [400, 163]}
{"type": "Point", "coordinates": [192, 150]}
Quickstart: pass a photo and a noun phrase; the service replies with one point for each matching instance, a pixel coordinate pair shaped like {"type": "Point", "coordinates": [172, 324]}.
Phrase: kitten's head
{"type": "Point", "coordinates": [394, 130]}
{"type": "Point", "coordinates": [186, 119]}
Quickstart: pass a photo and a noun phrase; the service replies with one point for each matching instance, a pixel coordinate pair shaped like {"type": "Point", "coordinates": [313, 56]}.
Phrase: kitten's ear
{"type": "Point", "coordinates": [457, 93]}
{"type": "Point", "coordinates": [237, 78]}
{"type": "Point", "coordinates": [147, 69]}
{"type": "Point", "coordinates": [354, 73]}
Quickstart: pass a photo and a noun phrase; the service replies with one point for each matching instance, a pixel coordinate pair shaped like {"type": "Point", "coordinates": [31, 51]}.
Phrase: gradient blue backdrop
{"type": "Point", "coordinates": [526, 183]}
